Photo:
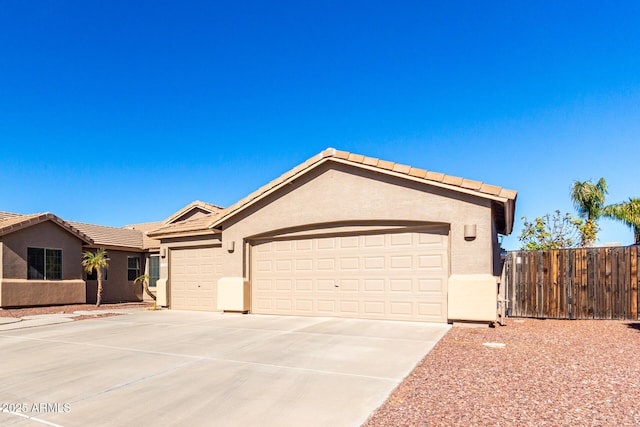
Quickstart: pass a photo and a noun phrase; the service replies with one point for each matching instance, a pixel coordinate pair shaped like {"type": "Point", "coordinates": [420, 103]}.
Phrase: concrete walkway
{"type": "Point", "coordinates": [175, 368]}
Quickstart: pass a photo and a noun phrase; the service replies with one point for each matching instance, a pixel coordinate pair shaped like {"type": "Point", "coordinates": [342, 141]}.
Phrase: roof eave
{"type": "Point", "coordinates": [192, 233]}
{"type": "Point", "coordinates": [35, 220]}
{"type": "Point", "coordinates": [291, 177]}
{"type": "Point", "coordinates": [509, 214]}
{"type": "Point", "coordinates": [115, 247]}
{"type": "Point", "coordinates": [455, 188]}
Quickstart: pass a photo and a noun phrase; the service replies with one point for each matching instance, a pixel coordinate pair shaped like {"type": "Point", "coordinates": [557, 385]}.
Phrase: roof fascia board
{"type": "Point", "coordinates": [174, 234]}
{"type": "Point", "coordinates": [509, 215]}
{"type": "Point", "coordinates": [115, 248]}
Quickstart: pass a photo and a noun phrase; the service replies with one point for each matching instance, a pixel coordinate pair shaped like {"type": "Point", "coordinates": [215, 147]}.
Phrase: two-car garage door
{"type": "Point", "coordinates": [383, 275]}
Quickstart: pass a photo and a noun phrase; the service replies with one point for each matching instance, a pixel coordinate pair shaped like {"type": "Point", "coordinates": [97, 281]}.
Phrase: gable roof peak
{"type": "Point", "coordinates": [19, 222]}
{"type": "Point", "coordinates": [504, 197]}
{"type": "Point", "coordinates": [209, 207]}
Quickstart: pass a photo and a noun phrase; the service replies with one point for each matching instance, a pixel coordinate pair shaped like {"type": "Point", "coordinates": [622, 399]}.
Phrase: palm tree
{"type": "Point", "coordinates": [96, 261]}
{"type": "Point", "coordinates": [627, 213]}
{"type": "Point", "coordinates": [145, 278]}
{"type": "Point", "coordinates": [588, 199]}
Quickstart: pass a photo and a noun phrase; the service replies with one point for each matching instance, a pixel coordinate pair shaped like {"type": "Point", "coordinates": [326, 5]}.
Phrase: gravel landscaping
{"type": "Point", "coordinates": [59, 309]}
{"type": "Point", "coordinates": [549, 373]}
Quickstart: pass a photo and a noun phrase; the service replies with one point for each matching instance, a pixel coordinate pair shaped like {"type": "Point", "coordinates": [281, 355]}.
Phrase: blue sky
{"type": "Point", "coordinates": [115, 112]}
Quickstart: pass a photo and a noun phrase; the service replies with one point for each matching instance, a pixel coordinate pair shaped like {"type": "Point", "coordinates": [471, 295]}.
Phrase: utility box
{"type": "Point", "coordinates": [233, 294]}
{"type": "Point", "coordinates": [472, 297]}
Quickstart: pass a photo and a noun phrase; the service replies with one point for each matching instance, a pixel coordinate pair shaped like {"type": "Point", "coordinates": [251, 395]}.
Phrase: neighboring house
{"type": "Point", "coordinates": [127, 257]}
{"type": "Point", "coordinates": [349, 236]}
{"type": "Point", "coordinates": [41, 258]}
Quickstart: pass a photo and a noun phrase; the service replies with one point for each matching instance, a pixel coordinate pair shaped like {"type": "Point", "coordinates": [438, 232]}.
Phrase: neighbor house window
{"type": "Point", "coordinates": [44, 264]}
{"type": "Point", "coordinates": [133, 270]}
{"type": "Point", "coordinates": [154, 270]}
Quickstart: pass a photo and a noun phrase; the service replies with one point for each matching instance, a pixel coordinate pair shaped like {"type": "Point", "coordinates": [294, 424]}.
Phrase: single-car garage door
{"type": "Point", "coordinates": [385, 275]}
{"type": "Point", "coordinates": [193, 278]}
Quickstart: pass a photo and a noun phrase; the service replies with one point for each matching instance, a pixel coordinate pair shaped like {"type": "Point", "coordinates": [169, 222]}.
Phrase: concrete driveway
{"type": "Point", "coordinates": [201, 369]}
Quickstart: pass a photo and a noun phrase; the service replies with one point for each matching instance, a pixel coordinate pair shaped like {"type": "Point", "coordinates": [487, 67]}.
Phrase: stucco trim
{"type": "Point", "coordinates": [117, 248]}
{"type": "Point", "coordinates": [348, 227]}
{"type": "Point", "coordinates": [193, 233]}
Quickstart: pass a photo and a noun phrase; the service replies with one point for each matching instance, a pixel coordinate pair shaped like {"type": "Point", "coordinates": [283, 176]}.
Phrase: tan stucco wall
{"type": "Point", "coordinates": [343, 194]}
{"type": "Point", "coordinates": [43, 235]}
{"type": "Point", "coordinates": [16, 290]}
{"type": "Point", "coordinates": [117, 288]}
{"type": "Point", "coordinates": [21, 292]}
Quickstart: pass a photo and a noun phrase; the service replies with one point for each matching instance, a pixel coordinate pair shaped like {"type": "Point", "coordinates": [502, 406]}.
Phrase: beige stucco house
{"type": "Point", "coordinates": [344, 235]}
{"type": "Point", "coordinates": [339, 235]}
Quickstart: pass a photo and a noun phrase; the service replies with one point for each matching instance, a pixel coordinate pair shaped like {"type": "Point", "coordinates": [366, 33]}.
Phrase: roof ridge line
{"type": "Point", "coordinates": [103, 226]}
{"type": "Point", "coordinates": [435, 178]}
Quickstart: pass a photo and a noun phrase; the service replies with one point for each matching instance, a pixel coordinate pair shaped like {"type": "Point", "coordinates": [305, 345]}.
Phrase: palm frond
{"type": "Point", "coordinates": [626, 212]}
{"type": "Point", "coordinates": [94, 260]}
{"type": "Point", "coordinates": [588, 197]}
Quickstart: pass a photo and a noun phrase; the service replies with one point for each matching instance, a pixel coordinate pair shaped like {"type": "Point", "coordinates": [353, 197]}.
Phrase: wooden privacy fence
{"type": "Point", "coordinates": [595, 283]}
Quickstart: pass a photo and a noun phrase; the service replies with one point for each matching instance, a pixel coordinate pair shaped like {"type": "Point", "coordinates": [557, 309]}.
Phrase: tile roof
{"type": "Point", "coordinates": [18, 222]}
{"type": "Point", "coordinates": [145, 228]}
{"type": "Point", "coordinates": [502, 195]}
{"type": "Point", "coordinates": [7, 215]}
{"type": "Point", "coordinates": [111, 236]}
{"type": "Point", "coordinates": [195, 226]}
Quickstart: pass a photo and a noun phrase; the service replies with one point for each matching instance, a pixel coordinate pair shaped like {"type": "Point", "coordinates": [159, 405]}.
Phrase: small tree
{"type": "Point", "coordinates": [588, 199]}
{"type": "Point", "coordinates": [96, 261]}
{"type": "Point", "coordinates": [145, 279]}
{"type": "Point", "coordinates": [555, 231]}
{"type": "Point", "coordinates": [627, 213]}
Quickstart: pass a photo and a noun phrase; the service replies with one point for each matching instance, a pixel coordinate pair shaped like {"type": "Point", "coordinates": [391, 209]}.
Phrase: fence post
{"type": "Point", "coordinates": [540, 283]}
{"type": "Point", "coordinates": [635, 282]}
{"type": "Point", "coordinates": [570, 285]}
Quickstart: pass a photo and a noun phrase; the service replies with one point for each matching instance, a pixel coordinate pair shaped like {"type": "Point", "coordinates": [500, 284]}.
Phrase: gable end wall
{"type": "Point", "coordinates": [335, 193]}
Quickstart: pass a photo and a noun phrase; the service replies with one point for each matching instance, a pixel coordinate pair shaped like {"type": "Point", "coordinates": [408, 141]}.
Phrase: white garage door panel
{"type": "Point", "coordinates": [194, 277]}
{"type": "Point", "coordinates": [401, 276]}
